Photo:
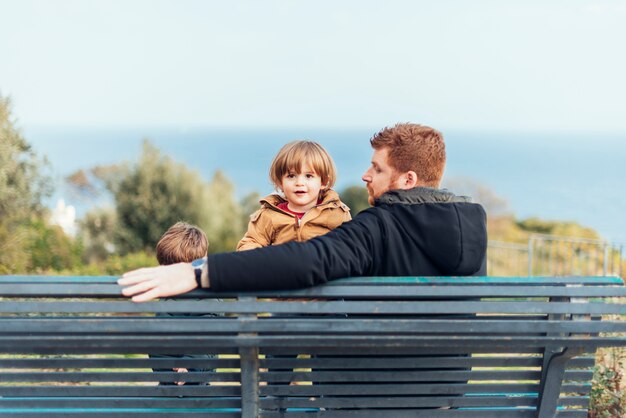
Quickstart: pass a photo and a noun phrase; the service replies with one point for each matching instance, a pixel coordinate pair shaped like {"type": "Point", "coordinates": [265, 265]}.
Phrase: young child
{"type": "Point", "coordinates": [307, 207]}
{"type": "Point", "coordinates": [182, 242]}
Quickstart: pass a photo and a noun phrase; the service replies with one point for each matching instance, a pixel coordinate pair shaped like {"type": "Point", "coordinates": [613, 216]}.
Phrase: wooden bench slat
{"type": "Point", "coordinates": [400, 402]}
{"type": "Point", "coordinates": [43, 390]}
{"type": "Point", "coordinates": [120, 413]}
{"type": "Point", "coordinates": [410, 280]}
{"type": "Point", "coordinates": [343, 326]}
{"type": "Point", "coordinates": [39, 290]}
{"type": "Point", "coordinates": [325, 307]}
{"type": "Point", "coordinates": [415, 413]}
{"type": "Point", "coordinates": [116, 363]}
{"type": "Point", "coordinates": [122, 403]}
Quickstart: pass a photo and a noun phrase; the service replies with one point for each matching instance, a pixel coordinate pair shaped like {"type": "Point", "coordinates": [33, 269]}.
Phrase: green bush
{"type": "Point", "coordinates": [608, 398]}
{"type": "Point", "coordinates": [23, 186]}
{"type": "Point", "coordinates": [113, 265]}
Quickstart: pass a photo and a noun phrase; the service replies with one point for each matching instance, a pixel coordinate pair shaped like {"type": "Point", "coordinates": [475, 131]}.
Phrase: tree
{"type": "Point", "coordinates": [157, 192]}
{"type": "Point", "coordinates": [22, 190]}
{"type": "Point", "coordinates": [151, 197]}
{"type": "Point", "coordinates": [356, 199]}
{"type": "Point", "coordinates": [96, 182]}
{"type": "Point", "coordinates": [249, 204]}
{"type": "Point", "coordinates": [50, 248]}
{"type": "Point", "coordinates": [97, 229]}
{"type": "Point", "coordinates": [224, 223]}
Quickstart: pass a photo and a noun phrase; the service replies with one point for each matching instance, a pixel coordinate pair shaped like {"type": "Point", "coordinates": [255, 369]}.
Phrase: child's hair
{"type": "Point", "coordinates": [295, 154]}
{"type": "Point", "coordinates": [182, 242]}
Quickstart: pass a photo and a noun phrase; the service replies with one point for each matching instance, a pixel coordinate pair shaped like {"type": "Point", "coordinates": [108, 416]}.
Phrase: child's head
{"type": "Point", "coordinates": [181, 243]}
{"type": "Point", "coordinates": [303, 171]}
{"type": "Point", "coordinates": [293, 157]}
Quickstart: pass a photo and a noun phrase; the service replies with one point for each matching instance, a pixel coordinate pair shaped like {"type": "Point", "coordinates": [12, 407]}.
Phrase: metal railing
{"type": "Point", "coordinates": [551, 255]}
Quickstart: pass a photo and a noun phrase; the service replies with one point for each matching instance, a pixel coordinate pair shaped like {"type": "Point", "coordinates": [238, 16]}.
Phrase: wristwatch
{"type": "Point", "coordinates": [198, 265]}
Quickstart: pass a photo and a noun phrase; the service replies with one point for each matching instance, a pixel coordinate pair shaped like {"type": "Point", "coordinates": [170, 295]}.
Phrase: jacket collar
{"type": "Point", "coordinates": [420, 195]}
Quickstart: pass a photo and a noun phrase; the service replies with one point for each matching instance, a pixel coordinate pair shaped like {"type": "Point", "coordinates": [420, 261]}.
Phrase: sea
{"type": "Point", "coordinates": [554, 176]}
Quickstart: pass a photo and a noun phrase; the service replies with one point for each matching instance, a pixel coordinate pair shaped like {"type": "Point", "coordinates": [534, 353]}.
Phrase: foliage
{"type": "Point", "coordinates": [149, 197]}
{"type": "Point", "coordinates": [113, 265]}
{"type": "Point", "coordinates": [117, 265]}
{"type": "Point", "coordinates": [152, 196]}
{"type": "Point", "coordinates": [356, 199]}
{"type": "Point", "coordinates": [50, 249]}
{"type": "Point", "coordinates": [23, 186]}
{"type": "Point", "coordinates": [98, 228]}
{"type": "Point", "coordinates": [13, 257]}
{"type": "Point", "coordinates": [249, 204]}
{"type": "Point", "coordinates": [567, 229]}
{"type": "Point", "coordinates": [41, 248]}
{"type": "Point", "coordinates": [224, 223]}
{"type": "Point", "coordinates": [505, 229]}
{"type": "Point", "coordinates": [95, 182]}
{"type": "Point", "coordinates": [608, 397]}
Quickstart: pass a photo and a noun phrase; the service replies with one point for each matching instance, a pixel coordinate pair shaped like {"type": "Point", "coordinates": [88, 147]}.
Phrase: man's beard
{"type": "Point", "coordinates": [370, 199]}
{"type": "Point", "coordinates": [370, 192]}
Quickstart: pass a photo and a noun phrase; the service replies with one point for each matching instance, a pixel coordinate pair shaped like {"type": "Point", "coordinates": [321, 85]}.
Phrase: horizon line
{"type": "Point", "coordinates": [287, 127]}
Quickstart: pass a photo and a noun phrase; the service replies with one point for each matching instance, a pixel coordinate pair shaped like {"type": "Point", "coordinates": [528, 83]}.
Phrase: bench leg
{"type": "Point", "coordinates": [551, 379]}
{"type": "Point", "coordinates": [249, 382]}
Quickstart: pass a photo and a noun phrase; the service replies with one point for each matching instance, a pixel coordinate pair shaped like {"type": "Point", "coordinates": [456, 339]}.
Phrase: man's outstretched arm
{"type": "Point", "coordinates": [344, 252]}
{"type": "Point", "coordinates": [151, 283]}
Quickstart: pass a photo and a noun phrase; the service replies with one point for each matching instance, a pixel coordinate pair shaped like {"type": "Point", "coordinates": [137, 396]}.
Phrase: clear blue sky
{"type": "Point", "coordinates": [483, 64]}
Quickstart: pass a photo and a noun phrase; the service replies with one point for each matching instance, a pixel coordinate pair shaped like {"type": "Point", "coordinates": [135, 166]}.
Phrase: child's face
{"type": "Point", "coordinates": [301, 189]}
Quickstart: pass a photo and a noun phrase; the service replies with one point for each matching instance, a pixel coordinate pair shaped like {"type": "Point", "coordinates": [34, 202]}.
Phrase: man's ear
{"type": "Point", "coordinates": [409, 180]}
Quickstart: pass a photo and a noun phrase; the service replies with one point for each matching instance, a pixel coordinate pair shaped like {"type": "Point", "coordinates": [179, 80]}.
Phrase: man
{"type": "Point", "coordinates": [413, 229]}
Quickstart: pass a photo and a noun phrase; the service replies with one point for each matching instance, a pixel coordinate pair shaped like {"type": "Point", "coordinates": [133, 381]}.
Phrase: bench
{"type": "Point", "coordinates": [362, 347]}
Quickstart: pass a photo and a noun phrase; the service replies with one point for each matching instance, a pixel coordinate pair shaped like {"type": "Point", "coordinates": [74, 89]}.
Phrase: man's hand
{"type": "Point", "coordinates": [154, 282]}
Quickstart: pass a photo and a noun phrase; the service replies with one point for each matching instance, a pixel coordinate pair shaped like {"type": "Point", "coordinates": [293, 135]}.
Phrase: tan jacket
{"type": "Point", "coordinates": [271, 225]}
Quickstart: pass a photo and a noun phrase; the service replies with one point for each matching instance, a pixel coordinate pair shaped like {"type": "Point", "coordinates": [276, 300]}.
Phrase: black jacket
{"type": "Point", "coordinates": [416, 232]}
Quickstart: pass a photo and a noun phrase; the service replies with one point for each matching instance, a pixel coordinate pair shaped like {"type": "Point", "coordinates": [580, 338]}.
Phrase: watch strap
{"type": "Point", "coordinates": [198, 269]}
{"type": "Point", "coordinates": [198, 273]}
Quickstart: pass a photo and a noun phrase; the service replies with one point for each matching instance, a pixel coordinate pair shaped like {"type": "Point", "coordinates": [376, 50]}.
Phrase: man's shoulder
{"type": "Point", "coordinates": [369, 216]}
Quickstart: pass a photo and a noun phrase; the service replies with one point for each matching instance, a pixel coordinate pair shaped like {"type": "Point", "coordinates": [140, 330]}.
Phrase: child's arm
{"type": "Point", "coordinates": [259, 233]}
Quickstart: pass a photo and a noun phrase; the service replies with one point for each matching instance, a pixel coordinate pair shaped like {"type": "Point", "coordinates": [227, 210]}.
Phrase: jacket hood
{"type": "Point", "coordinates": [451, 229]}
{"type": "Point", "coordinates": [419, 195]}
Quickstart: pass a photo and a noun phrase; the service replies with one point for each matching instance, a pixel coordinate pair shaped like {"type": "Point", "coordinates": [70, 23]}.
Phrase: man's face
{"type": "Point", "coordinates": [380, 177]}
